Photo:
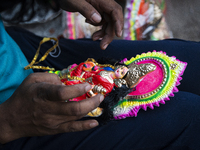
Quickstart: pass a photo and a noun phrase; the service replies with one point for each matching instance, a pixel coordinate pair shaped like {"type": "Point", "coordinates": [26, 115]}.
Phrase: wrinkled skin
{"type": "Point", "coordinates": [99, 12]}
{"type": "Point", "coordinates": [37, 108]}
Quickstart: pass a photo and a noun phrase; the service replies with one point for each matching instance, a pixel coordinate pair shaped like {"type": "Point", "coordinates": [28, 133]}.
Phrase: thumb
{"type": "Point", "coordinates": [89, 12]}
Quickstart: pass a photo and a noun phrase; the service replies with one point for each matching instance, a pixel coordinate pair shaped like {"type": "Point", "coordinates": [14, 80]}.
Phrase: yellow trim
{"type": "Point", "coordinates": [34, 61]}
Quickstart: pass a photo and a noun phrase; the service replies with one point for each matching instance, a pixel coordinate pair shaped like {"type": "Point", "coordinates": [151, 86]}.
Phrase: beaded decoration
{"type": "Point", "coordinates": [155, 88]}
{"type": "Point", "coordinates": [154, 75]}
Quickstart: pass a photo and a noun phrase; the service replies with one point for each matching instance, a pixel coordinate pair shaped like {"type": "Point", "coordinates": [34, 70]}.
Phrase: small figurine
{"type": "Point", "coordinates": [105, 78]}
{"type": "Point", "coordinates": [146, 80]}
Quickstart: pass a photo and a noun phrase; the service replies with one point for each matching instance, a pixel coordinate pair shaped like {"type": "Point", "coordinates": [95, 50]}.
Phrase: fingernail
{"type": "Point", "coordinates": [101, 98]}
{"type": "Point", "coordinates": [88, 87]}
{"type": "Point", "coordinates": [120, 33]}
{"type": "Point", "coordinates": [105, 46]}
{"type": "Point", "coordinates": [94, 124]}
{"type": "Point", "coordinates": [96, 18]}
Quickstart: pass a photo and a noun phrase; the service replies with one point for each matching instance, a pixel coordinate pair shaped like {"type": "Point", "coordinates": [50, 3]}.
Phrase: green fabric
{"type": "Point", "coordinates": [12, 63]}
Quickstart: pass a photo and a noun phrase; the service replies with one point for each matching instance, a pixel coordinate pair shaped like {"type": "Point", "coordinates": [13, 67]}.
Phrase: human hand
{"type": "Point", "coordinates": [99, 12]}
{"type": "Point", "coordinates": [37, 108]}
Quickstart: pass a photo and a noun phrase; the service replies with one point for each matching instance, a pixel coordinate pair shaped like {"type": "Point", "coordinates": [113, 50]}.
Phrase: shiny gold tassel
{"type": "Point", "coordinates": [31, 65]}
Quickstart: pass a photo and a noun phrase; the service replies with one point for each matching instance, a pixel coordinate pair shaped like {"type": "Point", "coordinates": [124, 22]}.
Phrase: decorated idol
{"type": "Point", "coordinates": [146, 80]}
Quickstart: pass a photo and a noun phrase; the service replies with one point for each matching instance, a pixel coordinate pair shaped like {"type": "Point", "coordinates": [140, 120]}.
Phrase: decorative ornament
{"type": "Point", "coordinates": [153, 76]}
{"type": "Point", "coordinates": [155, 88]}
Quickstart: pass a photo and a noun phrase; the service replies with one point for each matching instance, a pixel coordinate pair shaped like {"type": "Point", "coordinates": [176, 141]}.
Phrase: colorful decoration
{"type": "Point", "coordinates": [161, 76]}
{"type": "Point", "coordinates": [104, 78]}
{"type": "Point", "coordinates": [152, 76]}
{"type": "Point", "coordinates": [142, 18]}
{"type": "Point", "coordinates": [155, 88]}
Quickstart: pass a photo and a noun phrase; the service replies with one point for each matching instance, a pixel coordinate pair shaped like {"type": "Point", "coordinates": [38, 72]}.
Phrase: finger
{"type": "Point", "coordinates": [118, 21]}
{"type": "Point", "coordinates": [44, 77]}
{"type": "Point", "coordinates": [60, 92]}
{"type": "Point", "coordinates": [80, 108]}
{"type": "Point", "coordinates": [116, 13]}
{"type": "Point", "coordinates": [88, 11]}
{"type": "Point", "coordinates": [75, 126]}
{"type": "Point", "coordinates": [109, 35]}
{"type": "Point", "coordinates": [97, 35]}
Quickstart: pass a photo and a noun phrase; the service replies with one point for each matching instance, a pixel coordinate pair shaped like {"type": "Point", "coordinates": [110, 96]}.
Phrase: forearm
{"type": "Point", "coordinates": [6, 134]}
{"type": "Point", "coordinates": [3, 128]}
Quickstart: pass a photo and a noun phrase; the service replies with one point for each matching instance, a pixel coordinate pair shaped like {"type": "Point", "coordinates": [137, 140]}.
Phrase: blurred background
{"type": "Point", "coordinates": [143, 20]}
{"type": "Point", "coordinates": [182, 17]}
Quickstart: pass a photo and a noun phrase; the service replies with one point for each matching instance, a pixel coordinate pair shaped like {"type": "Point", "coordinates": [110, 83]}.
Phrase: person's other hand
{"type": "Point", "coordinates": [37, 108]}
{"type": "Point", "coordinates": [99, 12]}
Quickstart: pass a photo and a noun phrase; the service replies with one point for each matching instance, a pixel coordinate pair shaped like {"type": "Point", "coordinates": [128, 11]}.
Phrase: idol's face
{"type": "Point", "coordinates": [121, 72]}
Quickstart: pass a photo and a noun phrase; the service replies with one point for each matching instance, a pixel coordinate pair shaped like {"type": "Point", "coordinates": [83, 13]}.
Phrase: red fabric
{"type": "Point", "coordinates": [96, 79]}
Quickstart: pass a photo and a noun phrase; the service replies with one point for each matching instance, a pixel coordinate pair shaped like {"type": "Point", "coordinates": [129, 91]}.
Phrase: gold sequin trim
{"type": "Point", "coordinates": [34, 61]}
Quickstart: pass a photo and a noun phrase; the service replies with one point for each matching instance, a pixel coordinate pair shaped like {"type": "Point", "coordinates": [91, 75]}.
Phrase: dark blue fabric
{"type": "Point", "coordinates": [76, 51]}
{"type": "Point", "coordinates": [173, 126]}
